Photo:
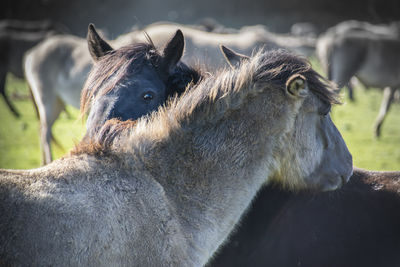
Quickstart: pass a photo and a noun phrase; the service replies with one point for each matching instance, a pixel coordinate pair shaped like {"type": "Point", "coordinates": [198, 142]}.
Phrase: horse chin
{"type": "Point", "coordinates": [334, 182]}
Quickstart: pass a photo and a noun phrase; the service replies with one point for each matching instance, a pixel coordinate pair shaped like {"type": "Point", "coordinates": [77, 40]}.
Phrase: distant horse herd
{"type": "Point", "coordinates": [182, 137]}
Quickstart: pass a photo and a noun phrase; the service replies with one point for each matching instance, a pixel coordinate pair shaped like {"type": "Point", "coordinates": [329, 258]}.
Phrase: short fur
{"type": "Point", "coordinates": [132, 81]}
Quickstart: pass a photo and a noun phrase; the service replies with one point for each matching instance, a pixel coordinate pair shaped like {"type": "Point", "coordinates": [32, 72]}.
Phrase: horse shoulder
{"type": "Point", "coordinates": [157, 230]}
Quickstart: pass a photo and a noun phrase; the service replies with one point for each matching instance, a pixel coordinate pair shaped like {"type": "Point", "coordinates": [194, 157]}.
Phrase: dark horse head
{"type": "Point", "coordinates": [132, 81]}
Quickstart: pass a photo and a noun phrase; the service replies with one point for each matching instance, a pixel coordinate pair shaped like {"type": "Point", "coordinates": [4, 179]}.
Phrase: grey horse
{"type": "Point", "coordinates": [168, 189]}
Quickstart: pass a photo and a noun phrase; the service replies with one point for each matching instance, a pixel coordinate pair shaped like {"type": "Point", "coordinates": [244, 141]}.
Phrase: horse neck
{"type": "Point", "coordinates": [210, 174]}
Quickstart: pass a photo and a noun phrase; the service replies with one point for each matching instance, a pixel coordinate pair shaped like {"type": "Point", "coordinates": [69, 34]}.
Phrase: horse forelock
{"type": "Point", "coordinates": [114, 67]}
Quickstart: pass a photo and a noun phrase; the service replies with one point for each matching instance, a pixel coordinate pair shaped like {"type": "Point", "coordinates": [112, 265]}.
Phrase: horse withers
{"type": "Point", "coordinates": [169, 189]}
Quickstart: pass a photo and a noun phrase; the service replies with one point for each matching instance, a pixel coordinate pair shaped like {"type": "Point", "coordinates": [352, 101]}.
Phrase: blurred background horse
{"type": "Point", "coordinates": [369, 52]}
{"type": "Point", "coordinates": [16, 37]}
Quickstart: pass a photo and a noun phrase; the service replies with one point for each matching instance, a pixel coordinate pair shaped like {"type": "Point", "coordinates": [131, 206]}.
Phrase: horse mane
{"type": "Point", "coordinates": [101, 143]}
{"type": "Point", "coordinates": [229, 88]}
{"type": "Point", "coordinates": [215, 95]}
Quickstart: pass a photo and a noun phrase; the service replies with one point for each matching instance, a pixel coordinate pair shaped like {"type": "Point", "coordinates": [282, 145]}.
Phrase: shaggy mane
{"type": "Point", "coordinates": [229, 88]}
{"type": "Point", "coordinates": [101, 144]}
{"type": "Point", "coordinates": [215, 95]}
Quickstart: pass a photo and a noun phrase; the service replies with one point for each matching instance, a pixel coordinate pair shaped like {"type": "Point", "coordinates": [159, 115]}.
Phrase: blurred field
{"type": "Point", "coordinates": [19, 139]}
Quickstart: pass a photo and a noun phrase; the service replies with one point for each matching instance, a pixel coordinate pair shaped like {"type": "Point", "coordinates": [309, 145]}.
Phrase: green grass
{"type": "Point", "coordinates": [355, 121]}
{"type": "Point", "coordinates": [19, 138]}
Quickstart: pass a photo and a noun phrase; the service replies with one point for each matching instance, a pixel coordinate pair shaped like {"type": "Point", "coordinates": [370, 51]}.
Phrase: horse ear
{"type": "Point", "coordinates": [296, 86]}
{"type": "Point", "coordinates": [97, 46]}
{"type": "Point", "coordinates": [232, 57]}
{"type": "Point", "coordinates": [173, 51]}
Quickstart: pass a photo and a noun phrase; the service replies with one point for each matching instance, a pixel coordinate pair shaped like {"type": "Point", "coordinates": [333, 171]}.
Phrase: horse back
{"type": "Point", "coordinates": [78, 212]}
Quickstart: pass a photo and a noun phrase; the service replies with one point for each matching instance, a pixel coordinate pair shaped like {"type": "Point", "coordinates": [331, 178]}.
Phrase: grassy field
{"type": "Point", "coordinates": [19, 139]}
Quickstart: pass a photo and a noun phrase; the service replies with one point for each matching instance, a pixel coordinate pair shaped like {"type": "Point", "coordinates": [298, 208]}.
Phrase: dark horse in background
{"type": "Point", "coordinates": [16, 37]}
{"type": "Point", "coordinates": [357, 225]}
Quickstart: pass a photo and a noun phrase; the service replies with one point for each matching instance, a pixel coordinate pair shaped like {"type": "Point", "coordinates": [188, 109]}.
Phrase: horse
{"type": "Point", "coordinates": [346, 27]}
{"type": "Point", "coordinates": [168, 189]}
{"type": "Point", "coordinates": [357, 225]}
{"type": "Point", "coordinates": [370, 55]}
{"type": "Point", "coordinates": [16, 37]}
{"type": "Point", "coordinates": [143, 79]}
{"type": "Point", "coordinates": [56, 70]}
{"type": "Point", "coordinates": [202, 46]}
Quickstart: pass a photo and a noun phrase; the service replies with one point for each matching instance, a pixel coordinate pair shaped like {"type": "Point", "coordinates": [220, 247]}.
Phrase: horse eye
{"type": "Point", "coordinates": [148, 96]}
